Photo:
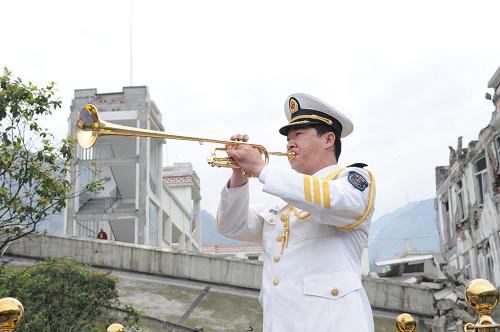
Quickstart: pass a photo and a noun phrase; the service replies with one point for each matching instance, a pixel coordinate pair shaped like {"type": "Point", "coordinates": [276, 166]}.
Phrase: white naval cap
{"type": "Point", "coordinates": [303, 109]}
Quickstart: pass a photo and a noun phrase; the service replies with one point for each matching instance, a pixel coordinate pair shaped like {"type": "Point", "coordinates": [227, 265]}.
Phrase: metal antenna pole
{"type": "Point", "coordinates": [131, 40]}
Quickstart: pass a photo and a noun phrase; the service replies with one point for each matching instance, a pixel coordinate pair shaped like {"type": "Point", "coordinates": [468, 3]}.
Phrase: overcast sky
{"type": "Point", "coordinates": [411, 75]}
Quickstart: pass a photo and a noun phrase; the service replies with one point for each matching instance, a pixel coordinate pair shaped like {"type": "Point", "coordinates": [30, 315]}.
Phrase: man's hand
{"type": "Point", "coordinates": [249, 159]}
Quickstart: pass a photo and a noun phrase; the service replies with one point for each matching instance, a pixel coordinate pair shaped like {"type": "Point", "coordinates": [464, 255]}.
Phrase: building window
{"type": "Point", "coordinates": [460, 200]}
{"type": "Point", "coordinates": [446, 228]}
{"type": "Point", "coordinates": [467, 266]}
{"type": "Point", "coordinates": [413, 268]}
{"type": "Point", "coordinates": [253, 257]}
{"type": "Point", "coordinates": [498, 147]}
{"type": "Point", "coordinates": [481, 179]}
{"type": "Point", "coordinates": [449, 215]}
{"type": "Point", "coordinates": [489, 263]}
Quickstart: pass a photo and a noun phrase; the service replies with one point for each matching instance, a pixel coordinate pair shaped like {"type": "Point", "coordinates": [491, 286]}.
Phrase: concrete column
{"type": "Point", "coordinates": [142, 180]}
{"type": "Point", "coordinates": [70, 212]}
{"type": "Point", "coordinates": [197, 215]}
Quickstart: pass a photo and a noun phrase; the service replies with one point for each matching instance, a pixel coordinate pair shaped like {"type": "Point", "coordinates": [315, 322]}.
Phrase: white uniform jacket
{"type": "Point", "coordinates": [311, 279]}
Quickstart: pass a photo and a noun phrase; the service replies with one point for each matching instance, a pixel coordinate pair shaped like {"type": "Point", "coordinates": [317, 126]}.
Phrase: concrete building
{"type": "Point", "coordinates": [250, 251]}
{"type": "Point", "coordinates": [468, 198]}
{"type": "Point", "coordinates": [141, 202]}
{"type": "Point", "coordinates": [425, 265]}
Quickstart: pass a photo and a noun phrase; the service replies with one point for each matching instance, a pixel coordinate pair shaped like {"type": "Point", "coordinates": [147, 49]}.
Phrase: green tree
{"type": "Point", "coordinates": [62, 295]}
{"type": "Point", "coordinates": [33, 168]}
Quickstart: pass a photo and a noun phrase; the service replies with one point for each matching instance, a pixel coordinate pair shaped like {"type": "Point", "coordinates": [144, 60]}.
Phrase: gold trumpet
{"type": "Point", "coordinates": [89, 126]}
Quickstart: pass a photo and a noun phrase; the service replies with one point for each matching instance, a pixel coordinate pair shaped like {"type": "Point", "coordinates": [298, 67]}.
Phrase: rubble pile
{"type": "Point", "coordinates": [448, 290]}
{"type": "Point", "coordinates": [444, 290]}
{"type": "Point", "coordinates": [449, 296]}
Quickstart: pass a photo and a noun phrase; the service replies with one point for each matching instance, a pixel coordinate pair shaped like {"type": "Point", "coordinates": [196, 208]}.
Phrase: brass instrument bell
{"type": "Point", "coordinates": [11, 314]}
{"type": "Point", "coordinates": [482, 296]}
{"type": "Point", "coordinates": [89, 127]}
{"type": "Point", "coordinates": [406, 323]}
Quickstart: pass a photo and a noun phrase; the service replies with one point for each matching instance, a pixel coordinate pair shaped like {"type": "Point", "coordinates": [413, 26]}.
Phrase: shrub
{"type": "Point", "coordinates": [62, 295]}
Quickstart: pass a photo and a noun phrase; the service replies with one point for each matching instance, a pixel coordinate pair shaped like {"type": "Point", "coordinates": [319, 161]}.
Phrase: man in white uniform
{"type": "Point", "coordinates": [314, 240]}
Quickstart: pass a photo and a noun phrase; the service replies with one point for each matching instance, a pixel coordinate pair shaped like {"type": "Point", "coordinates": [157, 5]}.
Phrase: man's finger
{"type": "Point", "coordinates": [240, 137]}
{"type": "Point", "coordinates": [236, 137]}
{"type": "Point", "coordinates": [233, 154]}
{"type": "Point", "coordinates": [230, 153]}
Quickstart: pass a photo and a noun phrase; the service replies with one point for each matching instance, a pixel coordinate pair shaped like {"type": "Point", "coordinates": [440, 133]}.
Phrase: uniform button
{"type": "Point", "coordinates": [276, 282]}
{"type": "Point", "coordinates": [279, 238]}
{"type": "Point", "coordinates": [276, 259]}
{"type": "Point", "coordinates": [334, 292]}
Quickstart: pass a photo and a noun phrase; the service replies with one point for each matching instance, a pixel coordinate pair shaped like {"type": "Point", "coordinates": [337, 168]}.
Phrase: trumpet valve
{"type": "Point", "coordinates": [217, 161]}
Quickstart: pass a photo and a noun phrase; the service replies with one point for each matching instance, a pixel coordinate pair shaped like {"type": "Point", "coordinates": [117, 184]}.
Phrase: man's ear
{"type": "Point", "coordinates": [330, 139]}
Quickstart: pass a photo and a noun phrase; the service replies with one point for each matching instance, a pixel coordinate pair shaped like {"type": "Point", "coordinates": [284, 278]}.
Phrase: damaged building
{"type": "Point", "coordinates": [468, 198]}
{"type": "Point", "coordinates": [142, 201]}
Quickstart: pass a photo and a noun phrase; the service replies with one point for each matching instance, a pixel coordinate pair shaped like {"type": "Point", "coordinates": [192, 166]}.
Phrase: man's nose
{"type": "Point", "coordinates": [290, 145]}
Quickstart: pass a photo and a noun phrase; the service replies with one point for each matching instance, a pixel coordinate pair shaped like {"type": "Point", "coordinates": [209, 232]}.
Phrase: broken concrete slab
{"type": "Point", "coordinates": [432, 285]}
{"type": "Point", "coordinates": [443, 293]}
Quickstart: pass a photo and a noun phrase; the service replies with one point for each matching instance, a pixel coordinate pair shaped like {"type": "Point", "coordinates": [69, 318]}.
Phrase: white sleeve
{"type": "Point", "coordinates": [234, 217]}
{"type": "Point", "coordinates": [340, 202]}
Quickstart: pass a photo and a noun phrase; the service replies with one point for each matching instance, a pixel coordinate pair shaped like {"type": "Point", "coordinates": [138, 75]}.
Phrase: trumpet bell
{"type": "Point", "coordinates": [87, 126]}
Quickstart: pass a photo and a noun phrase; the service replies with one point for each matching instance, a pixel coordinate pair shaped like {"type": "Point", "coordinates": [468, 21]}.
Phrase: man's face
{"type": "Point", "coordinates": [310, 149]}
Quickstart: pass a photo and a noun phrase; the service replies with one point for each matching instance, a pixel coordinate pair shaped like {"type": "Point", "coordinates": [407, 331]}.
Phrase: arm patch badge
{"type": "Point", "coordinates": [357, 181]}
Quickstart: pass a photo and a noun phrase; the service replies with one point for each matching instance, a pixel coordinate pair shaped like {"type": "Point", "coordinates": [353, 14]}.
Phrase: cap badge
{"type": "Point", "coordinates": [293, 105]}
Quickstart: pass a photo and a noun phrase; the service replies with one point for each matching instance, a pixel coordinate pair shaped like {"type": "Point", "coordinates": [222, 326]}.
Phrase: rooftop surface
{"type": "Point", "coordinates": [194, 305]}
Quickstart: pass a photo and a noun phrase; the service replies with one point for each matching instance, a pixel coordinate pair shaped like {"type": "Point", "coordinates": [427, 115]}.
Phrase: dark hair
{"type": "Point", "coordinates": [321, 130]}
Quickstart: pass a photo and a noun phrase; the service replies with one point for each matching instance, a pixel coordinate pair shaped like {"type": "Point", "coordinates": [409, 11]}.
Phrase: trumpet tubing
{"type": "Point", "coordinates": [89, 127]}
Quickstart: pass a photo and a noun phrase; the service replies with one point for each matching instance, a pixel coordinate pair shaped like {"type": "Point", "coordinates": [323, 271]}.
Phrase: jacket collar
{"type": "Point", "coordinates": [327, 170]}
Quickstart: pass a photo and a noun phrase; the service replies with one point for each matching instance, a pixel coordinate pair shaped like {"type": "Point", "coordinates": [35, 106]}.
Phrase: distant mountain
{"type": "Point", "coordinates": [209, 234]}
{"type": "Point", "coordinates": [415, 222]}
